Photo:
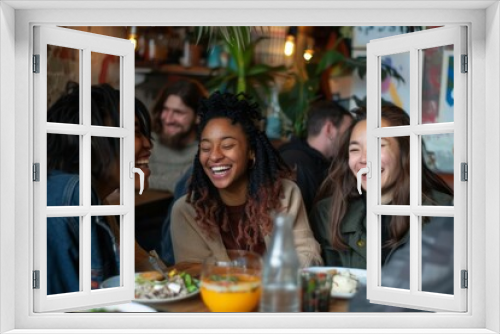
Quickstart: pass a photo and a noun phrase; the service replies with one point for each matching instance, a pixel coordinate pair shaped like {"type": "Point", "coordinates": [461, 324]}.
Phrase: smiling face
{"type": "Point", "coordinates": [142, 154]}
{"type": "Point", "coordinates": [390, 161]}
{"type": "Point", "coordinates": [178, 122]}
{"type": "Point", "coordinates": [225, 156]}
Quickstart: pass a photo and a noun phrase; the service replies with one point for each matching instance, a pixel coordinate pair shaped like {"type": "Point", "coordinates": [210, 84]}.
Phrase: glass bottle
{"type": "Point", "coordinates": [273, 125]}
{"type": "Point", "coordinates": [280, 275]}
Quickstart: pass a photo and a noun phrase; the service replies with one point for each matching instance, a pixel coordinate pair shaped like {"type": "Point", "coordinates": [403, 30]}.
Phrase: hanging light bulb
{"type": "Point", "coordinates": [133, 36]}
{"type": "Point", "coordinates": [289, 45]}
{"type": "Point", "coordinates": [308, 54]}
{"type": "Point", "coordinates": [290, 41]}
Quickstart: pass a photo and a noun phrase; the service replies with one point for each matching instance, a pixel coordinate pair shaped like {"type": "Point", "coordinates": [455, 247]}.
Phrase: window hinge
{"type": "Point", "coordinates": [465, 279]}
{"type": "Point", "coordinates": [36, 172]}
{"type": "Point", "coordinates": [465, 64]}
{"type": "Point", "coordinates": [36, 63]}
{"type": "Point", "coordinates": [464, 171]}
{"type": "Point", "coordinates": [36, 279]}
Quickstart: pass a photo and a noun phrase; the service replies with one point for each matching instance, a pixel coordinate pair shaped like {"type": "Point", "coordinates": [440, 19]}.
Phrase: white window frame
{"type": "Point", "coordinates": [483, 20]}
{"type": "Point", "coordinates": [413, 44]}
{"type": "Point", "coordinates": [85, 43]}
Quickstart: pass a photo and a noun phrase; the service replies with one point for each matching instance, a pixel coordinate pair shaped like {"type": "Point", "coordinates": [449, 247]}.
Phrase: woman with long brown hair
{"type": "Point", "coordinates": [238, 180]}
{"type": "Point", "coordinates": [338, 219]}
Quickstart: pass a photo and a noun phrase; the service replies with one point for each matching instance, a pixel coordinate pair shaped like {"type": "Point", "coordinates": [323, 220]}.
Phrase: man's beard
{"type": "Point", "coordinates": [177, 141]}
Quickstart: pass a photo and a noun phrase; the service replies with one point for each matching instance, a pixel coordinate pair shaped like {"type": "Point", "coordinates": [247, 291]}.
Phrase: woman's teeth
{"type": "Point", "coordinates": [220, 169]}
{"type": "Point", "coordinates": [142, 162]}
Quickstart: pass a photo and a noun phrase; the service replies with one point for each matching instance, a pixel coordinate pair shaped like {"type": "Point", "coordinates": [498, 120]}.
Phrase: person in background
{"type": "Point", "coordinates": [339, 218]}
{"type": "Point", "coordinates": [63, 186]}
{"type": "Point", "coordinates": [174, 132]}
{"type": "Point", "coordinates": [311, 158]}
{"type": "Point", "coordinates": [238, 180]}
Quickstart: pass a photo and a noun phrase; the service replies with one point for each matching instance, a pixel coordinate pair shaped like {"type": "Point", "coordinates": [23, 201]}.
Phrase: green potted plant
{"type": "Point", "coordinates": [304, 82]}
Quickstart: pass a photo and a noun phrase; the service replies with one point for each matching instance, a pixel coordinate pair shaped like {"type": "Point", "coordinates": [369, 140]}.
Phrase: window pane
{"type": "Point", "coordinates": [394, 170]}
{"type": "Point", "coordinates": [105, 166]}
{"type": "Point", "coordinates": [438, 156]}
{"type": "Point", "coordinates": [63, 169]}
{"type": "Point", "coordinates": [63, 68]}
{"type": "Point", "coordinates": [395, 80]}
{"type": "Point", "coordinates": [437, 254]}
{"type": "Point", "coordinates": [437, 85]}
{"type": "Point", "coordinates": [398, 276]}
{"type": "Point", "coordinates": [106, 70]}
{"type": "Point", "coordinates": [63, 255]}
{"type": "Point", "coordinates": [105, 237]}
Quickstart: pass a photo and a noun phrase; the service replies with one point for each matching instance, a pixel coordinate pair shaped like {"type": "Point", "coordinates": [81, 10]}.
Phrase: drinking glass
{"type": "Point", "coordinates": [233, 285]}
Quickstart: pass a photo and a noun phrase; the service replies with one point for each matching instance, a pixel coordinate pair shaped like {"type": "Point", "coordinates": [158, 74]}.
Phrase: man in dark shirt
{"type": "Point", "coordinates": [311, 158]}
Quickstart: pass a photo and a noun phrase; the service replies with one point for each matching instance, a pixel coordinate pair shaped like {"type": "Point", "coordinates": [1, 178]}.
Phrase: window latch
{"type": "Point", "coordinates": [367, 171]}
{"type": "Point", "coordinates": [138, 171]}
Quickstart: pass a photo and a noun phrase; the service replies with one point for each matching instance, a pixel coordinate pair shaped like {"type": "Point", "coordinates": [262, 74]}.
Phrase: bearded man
{"type": "Point", "coordinates": [174, 132]}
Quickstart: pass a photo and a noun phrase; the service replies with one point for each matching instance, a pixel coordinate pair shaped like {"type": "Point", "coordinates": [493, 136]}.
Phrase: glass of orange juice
{"type": "Point", "coordinates": [233, 285]}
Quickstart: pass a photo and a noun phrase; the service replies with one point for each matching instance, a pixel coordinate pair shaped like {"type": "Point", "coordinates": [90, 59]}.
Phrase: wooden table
{"type": "Point", "coordinates": [195, 304]}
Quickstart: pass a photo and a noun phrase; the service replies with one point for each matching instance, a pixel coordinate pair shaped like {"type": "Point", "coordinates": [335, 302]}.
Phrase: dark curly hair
{"type": "Point", "coordinates": [264, 186]}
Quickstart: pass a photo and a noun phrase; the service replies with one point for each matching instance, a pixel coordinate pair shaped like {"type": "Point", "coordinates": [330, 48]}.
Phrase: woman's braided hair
{"type": "Point", "coordinates": [264, 186]}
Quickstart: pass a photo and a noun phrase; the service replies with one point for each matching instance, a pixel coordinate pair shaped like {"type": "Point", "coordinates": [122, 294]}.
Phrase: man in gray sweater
{"type": "Point", "coordinates": [174, 132]}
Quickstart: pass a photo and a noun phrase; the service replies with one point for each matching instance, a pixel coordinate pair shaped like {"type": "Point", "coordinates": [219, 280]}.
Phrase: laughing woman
{"type": "Point", "coordinates": [238, 180]}
{"type": "Point", "coordinates": [339, 218]}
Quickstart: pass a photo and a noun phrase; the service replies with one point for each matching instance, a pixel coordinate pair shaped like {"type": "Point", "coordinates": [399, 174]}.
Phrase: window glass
{"type": "Point", "coordinates": [437, 85]}
{"type": "Point", "coordinates": [63, 68]}
{"type": "Point", "coordinates": [394, 233]}
{"type": "Point", "coordinates": [63, 163]}
{"type": "Point", "coordinates": [394, 170]}
{"type": "Point", "coordinates": [105, 70]}
{"type": "Point", "coordinates": [439, 158]}
{"type": "Point", "coordinates": [395, 80]}
{"type": "Point", "coordinates": [437, 254]}
{"type": "Point", "coordinates": [105, 163]}
{"type": "Point", "coordinates": [59, 229]}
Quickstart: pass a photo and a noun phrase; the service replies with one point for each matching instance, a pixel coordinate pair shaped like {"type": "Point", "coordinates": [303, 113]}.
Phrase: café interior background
{"type": "Point", "coordinates": [168, 54]}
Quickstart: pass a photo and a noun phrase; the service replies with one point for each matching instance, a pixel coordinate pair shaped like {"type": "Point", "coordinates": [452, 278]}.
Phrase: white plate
{"type": "Point", "coordinates": [360, 275]}
{"type": "Point", "coordinates": [115, 281]}
{"type": "Point", "coordinates": [129, 307]}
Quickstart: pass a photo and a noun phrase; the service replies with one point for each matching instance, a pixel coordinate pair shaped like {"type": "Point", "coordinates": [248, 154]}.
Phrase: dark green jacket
{"type": "Point", "coordinates": [353, 230]}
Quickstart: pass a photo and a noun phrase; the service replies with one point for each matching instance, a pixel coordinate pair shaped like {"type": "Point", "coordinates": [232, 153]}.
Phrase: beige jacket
{"type": "Point", "coordinates": [192, 245]}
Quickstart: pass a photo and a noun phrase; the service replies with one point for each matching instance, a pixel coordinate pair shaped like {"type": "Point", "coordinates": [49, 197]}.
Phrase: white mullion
{"type": "Point", "coordinates": [79, 211]}
{"type": "Point", "coordinates": [127, 233]}
{"type": "Point", "coordinates": [107, 131]}
{"type": "Point", "coordinates": [108, 210]}
{"type": "Point", "coordinates": [422, 129]}
{"type": "Point", "coordinates": [373, 234]}
{"type": "Point", "coordinates": [85, 256]}
{"type": "Point", "coordinates": [67, 129]}
{"type": "Point", "coordinates": [415, 112]}
{"type": "Point", "coordinates": [85, 173]}
{"type": "Point", "coordinates": [414, 252]}
{"type": "Point", "coordinates": [420, 210]}
{"type": "Point", "coordinates": [433, 128]}
{"type": "Point", "coordinates": [123, 174]}
{"type": "Point", "coordinates": [394, 131]}
{"type": "Point", "coordinates": [81, 130]}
